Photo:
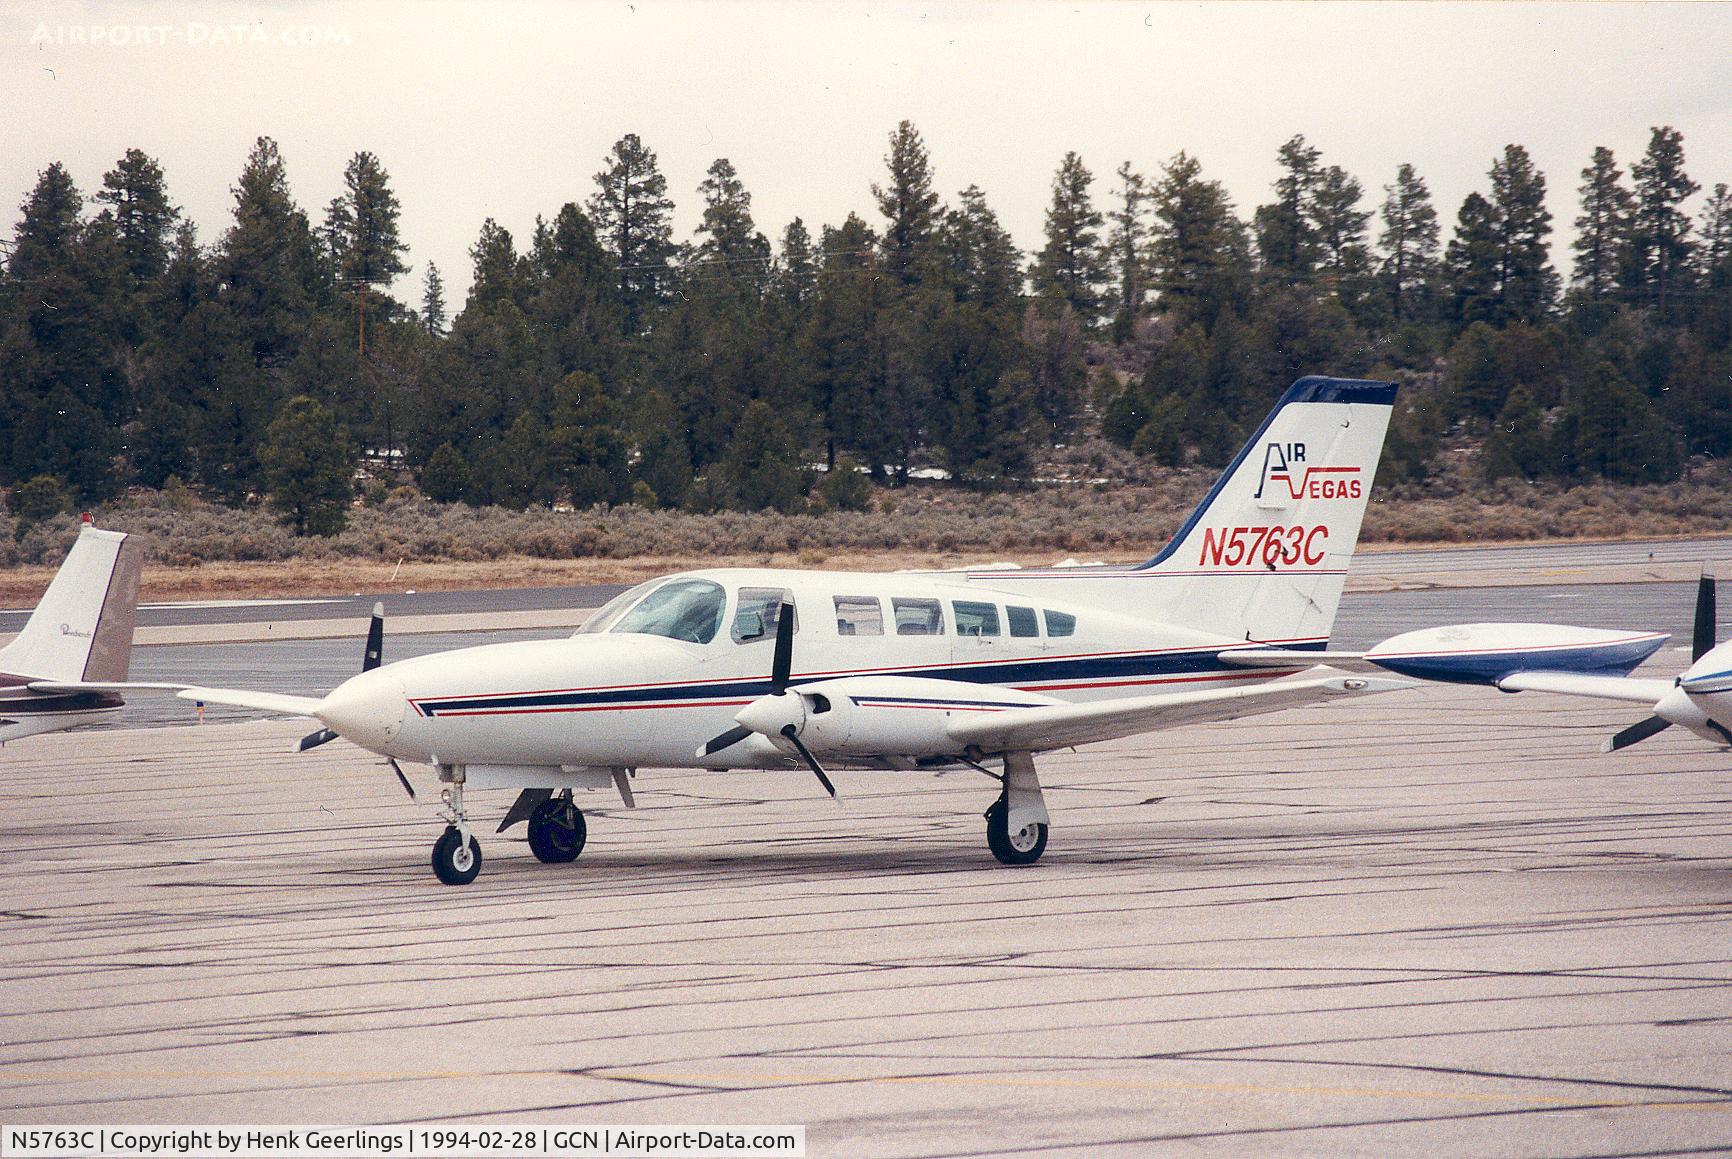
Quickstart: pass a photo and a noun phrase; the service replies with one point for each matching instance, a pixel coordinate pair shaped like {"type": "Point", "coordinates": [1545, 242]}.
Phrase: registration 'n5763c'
{"type": "Point", "coordinates": [1263, 546]}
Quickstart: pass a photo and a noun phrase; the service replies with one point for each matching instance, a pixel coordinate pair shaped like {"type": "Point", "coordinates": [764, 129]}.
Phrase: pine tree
{"type": "Point", "coordinates": [796, 278]}
{"type": "Point", "coordinates": [1072, 268]}
{"type": "Point", "coordinates": [909, 205]}
{"type": "Point", "coordinates": [762, 467]}
{"type": "Point", "coordinates": [497, 276]}
{"type": "Point", "coordinates": [269, 262]}
{"type": "Point", "coordinates": [1286, 236]}
{"type": "Point", "coordinates": [433, 301]}
{"type": "Point", "coordinates": [1603, 229]}
{"type": "Point", "coordinates": [1338, 224]}
{"type": "Point", "coordinates": [1716, 244]}
{"type": "Point", "coordinates": [981, 262]}
{"type": "Point", "coordinates": [1128, 245]}
{"type": "Point", "coordinates": [1526, 283]}
{"type": "Point", "coordinates": [361, 226]}
{"type": "Point", "coordinates": [1471, 262]}
{"type": "Point", "coordinates": [732, 250]}
{"type": "Point", "coordinates": [445, 478]}
{"type": "Point", "coordinates": [587, 449]}
{"type": "Point", "coordinates": [634, 219]}
{"type": "Point", "coordinates": [134, 190]}
{"type": "Point", "coordinates": [307, 464]}
{"type": "Point", "coordinates": [1198, 253]}
{"type": "Point", "coordinates": [1409, 241]}
{"type": "Point", "coordinates": [1660, 245]}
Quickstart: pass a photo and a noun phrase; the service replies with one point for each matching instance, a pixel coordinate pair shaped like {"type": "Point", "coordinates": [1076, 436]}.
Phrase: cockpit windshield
{"type": "Point", "coordinates": [604, 617]}
{"type": "Point", "coordinates": [688, 609]}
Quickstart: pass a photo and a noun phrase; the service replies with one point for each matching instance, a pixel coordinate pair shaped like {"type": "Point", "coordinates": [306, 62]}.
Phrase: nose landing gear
{"type": "Point", "coordinates": [456, 855]}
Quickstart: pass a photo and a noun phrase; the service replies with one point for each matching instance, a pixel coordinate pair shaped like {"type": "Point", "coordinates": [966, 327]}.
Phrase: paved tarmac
{"type": "Point", "coordinates": [1428, 923]}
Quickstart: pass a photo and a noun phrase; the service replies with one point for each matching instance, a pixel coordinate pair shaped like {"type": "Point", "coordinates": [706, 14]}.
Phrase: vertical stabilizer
{"type": "Point", "coordinates": [82, 629]}
{"type": "Point", "coordinates": [1264, 556]}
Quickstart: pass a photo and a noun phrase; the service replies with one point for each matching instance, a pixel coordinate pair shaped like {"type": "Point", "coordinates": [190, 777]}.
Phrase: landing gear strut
{"type": "Point", "coordinates": [456, 855]}
{"type": "Point", "coordinates": [1016, 824]}
{"type": "Point", "coordinates": [557, 830]}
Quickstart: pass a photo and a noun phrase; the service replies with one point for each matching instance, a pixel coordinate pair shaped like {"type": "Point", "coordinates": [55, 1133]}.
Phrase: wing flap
{"type": "Point", "coordinates": [1290, 657]}
{"type": "Point", "coordinates": [1064, 725]}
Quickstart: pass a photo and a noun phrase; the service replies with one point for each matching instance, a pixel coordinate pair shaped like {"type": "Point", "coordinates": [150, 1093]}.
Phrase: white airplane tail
{"type": "Point", "coordinates": [1264, 556]}
{"type": "Point", "coordinates": [82, 628]}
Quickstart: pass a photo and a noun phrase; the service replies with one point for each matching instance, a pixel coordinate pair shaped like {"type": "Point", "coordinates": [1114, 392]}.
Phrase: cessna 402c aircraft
{"type": "Point", "coordinates": [767, 669]}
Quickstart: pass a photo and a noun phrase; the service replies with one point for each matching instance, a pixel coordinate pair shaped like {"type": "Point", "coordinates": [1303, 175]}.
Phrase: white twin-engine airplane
{"type": "Point", "coordinates": [757, 668]}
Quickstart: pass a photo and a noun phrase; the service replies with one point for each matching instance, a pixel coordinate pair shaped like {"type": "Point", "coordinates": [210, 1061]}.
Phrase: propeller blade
{"type": "Point", "coordinates": [726, 740]}
{"type": "Point", "coordinates": [401, 779]}
{"type": "Point", "coordinates": [1640, 731]}
{"type": "Point", "coordinates": [1702, 642]}
{"type": "Point", "coordinates": [793, 735]}
{"type": "Point", "coordinates": [375, 640]}
{"type": "Point", "coordinates": [782, 664]}
{"type": "Point", "coordinates": [314, 739]}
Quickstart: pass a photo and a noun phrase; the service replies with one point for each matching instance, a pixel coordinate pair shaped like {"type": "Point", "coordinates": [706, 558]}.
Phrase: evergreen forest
{"type": "Point", "coordinates": [602, 360]}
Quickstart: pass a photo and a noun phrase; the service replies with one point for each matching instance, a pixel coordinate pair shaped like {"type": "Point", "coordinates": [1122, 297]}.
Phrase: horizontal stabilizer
{"type": "Point", "coordinates": [1634, 689]}
{"type": "Point", "coordinates": [1064, 725]}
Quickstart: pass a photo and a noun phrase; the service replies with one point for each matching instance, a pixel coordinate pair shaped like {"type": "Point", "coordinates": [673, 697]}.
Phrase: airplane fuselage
{"type": "Point", "coordinates": [691, 662]}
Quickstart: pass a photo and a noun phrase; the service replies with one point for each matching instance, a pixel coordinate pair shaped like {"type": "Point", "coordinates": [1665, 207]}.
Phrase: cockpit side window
{"type": "Point", "coordinates": [689, 609]}
{"type": "Point", "coordinates": [758, 612]}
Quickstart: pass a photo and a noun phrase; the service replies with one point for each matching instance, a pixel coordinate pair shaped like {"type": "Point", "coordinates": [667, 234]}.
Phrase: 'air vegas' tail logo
{"type": "Point", "coordinates": [1285, 473]}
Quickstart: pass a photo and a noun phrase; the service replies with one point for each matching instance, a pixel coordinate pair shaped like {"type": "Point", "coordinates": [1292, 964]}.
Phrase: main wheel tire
{"type": "Point", "coordinates": [453, 864]}
{"type": "Point", "coordinates": [557, 831]}
{"type": "Point", "coordinates": [1023, 847]}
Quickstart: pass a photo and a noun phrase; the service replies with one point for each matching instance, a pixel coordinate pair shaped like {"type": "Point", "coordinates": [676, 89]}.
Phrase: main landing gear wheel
{"type": "Point", "coordinates": [557, 830]}
{"type": "Point", "coordinates": [452, 863]}
{"type": "Point", "coordinates": [1023, 847]}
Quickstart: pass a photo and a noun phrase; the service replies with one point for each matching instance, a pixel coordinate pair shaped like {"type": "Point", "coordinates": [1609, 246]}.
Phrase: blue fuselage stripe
{"type": "Point", "coordinates": [1017, 672]}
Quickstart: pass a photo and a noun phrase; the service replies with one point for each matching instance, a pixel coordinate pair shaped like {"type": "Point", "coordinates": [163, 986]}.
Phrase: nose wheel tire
{"type": "Point", "coordinates": [557, 831]}
{"type": "Point", "coordinates": [452, 863]}
{"type": "Point", "coordinates": [1023, 847]}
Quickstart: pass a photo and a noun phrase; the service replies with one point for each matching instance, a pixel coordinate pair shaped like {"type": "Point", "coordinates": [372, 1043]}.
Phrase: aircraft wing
{"type": "Point", "coordinates": [1635, 689]}
{"type": "Point", "coordinates": [238, 697]}
{"type": "Point", "coordinates": [1057, 726]}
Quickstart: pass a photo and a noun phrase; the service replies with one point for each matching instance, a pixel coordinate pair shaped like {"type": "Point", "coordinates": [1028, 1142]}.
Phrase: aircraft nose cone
{"type": "Point", "coordinates": [366, 709]}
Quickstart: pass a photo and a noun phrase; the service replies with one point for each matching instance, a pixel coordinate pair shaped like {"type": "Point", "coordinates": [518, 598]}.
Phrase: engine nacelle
{"type": "Point", "coordinates": [862, 716]}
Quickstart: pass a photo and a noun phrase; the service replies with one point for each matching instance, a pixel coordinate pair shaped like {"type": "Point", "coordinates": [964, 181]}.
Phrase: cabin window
{"type": "Point", "coordinates": [974, 619]}
{"type": "Point", "coordinates": [611, 611]}
{"type": "Point", "coordinates": [917, 617]}
{"type": "Point", "coordinates": [689, 610]}
{"type": "Point", "coordinates": [1022, 621]}
{"type": "Point", "coordinates": [859, 616]}
{"type": "Point", "coordinates": [1060, 623]}
{"type": "Point", "coordinates": [758, 612]}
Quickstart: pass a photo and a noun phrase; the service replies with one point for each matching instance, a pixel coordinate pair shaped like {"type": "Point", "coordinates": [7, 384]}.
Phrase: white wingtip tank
{"type": "Point", "coordinates": [82, 628]}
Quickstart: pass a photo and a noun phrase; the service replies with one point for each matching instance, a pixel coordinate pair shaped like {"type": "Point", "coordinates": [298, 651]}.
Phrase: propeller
{"type": "Point", "coordinates": [781, 668]}
{"type": "Point", "coordinates": [369, 660]}
{"type": "Point", "coordinates": [1701, 643]}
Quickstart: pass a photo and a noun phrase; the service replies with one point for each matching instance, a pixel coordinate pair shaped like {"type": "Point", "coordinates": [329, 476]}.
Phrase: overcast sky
{"type": "Point", "coordinates": [508, 110]}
